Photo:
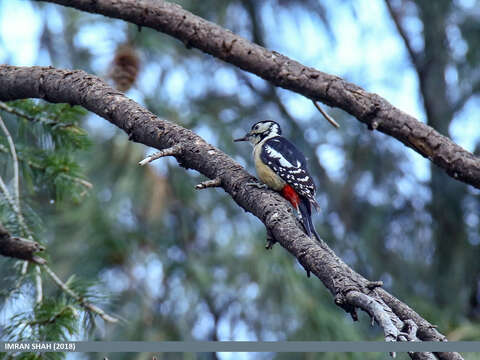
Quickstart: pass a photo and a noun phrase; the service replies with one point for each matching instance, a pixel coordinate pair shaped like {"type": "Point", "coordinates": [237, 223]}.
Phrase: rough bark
{"type": "Point", "coordinates": [79, 88]}
{"type": "Point", "coordinates": [18, 248]}
{"type": "Point", "coordinates": [368, 108]}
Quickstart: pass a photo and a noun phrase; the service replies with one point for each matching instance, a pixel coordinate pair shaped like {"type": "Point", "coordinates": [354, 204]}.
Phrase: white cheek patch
{"type": "Point", "coordinates": [275, 154]}
{"type": "Point", "coordinates": [274, 129]}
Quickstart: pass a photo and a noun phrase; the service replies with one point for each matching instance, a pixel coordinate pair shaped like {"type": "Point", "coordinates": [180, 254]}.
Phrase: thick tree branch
{"type": "Point", "coordinates": [79, 88]}
{"type": "Point", "coordinates": [282, 71]}
{"type": "Point", "coordinates": [388, 321]}
{"type": "Point", "coordinates": [19, 248]}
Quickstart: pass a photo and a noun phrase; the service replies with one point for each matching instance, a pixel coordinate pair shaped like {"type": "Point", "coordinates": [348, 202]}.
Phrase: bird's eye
{"type": "Point", "coordinates": [255, 127]}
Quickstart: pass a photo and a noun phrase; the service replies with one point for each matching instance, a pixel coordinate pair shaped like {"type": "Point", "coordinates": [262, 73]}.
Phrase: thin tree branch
{"type": "Point", "coordinates": [6, 194]}
{"type": "Point", "coordinates": [16, 178]}
{"type": "Point", "coordinates": [14, 246]}
{"type": "Point", "coordinates": [86, 184]}
{"type": "Point", "coordinates": [16, 210]}
{"type": "Point", "coordinates": [415, 57]}
{"type": "Point", "coordinates": [217, 182]}
{"type": "Point", "coordinates": [326, 116]}
{"type": "Point", "coordinates": [171, 151]}
{"type": "Point", "coordinates": [466, 95]}
{"type": "Point", "coordinates": [90, 307]}
{"type": "Point", "coordinates": [38, 119]}
{"type": "Point", "coordinates": [368, 108]}
{"type": "Point", "coordinates": [79, 88]}
{"type": "Point", "coordinates": [17, 247]}
{"type": "Point", "coordinates": [38, 285]}
{"type": "Point", "coordinates": [24, 269]}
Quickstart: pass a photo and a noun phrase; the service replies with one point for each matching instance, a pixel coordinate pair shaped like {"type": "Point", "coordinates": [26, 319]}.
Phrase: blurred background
{"type": "Point", "coordinates": [180, 264]}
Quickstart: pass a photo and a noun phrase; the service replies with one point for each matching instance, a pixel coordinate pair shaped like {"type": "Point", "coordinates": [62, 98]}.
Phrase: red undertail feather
{"type": "Point", "coordinates": [303, 206]}
{"type": "Point", "coordinates": [291, 195]}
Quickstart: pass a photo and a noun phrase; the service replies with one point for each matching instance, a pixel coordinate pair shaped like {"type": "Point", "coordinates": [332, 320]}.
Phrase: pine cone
{"type": "Point", "coordinates": [125, 67]}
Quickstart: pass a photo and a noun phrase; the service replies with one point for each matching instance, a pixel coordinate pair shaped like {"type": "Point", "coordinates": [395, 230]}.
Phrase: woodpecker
{"type": "Point", "coordinates": [283, 168]}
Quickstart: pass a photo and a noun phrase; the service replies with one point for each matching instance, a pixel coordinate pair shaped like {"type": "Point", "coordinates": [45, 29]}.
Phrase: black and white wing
{"type": "Point", "coordinates": [290, 164]}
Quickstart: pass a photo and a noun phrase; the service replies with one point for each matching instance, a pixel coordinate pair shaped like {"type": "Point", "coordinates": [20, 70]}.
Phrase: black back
{"type": "Point", "coordinates": [290, 167]}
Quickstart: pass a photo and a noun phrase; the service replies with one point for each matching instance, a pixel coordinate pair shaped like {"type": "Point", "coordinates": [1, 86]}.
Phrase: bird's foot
{"type": "Point", "coordinates": [257, 185]}
{"type": "Point", "coordinates": [270, 241]}
{"type": "Point", "coordinates": [374, 284]}
{"type": "Point", "coordinates": [269, 244]}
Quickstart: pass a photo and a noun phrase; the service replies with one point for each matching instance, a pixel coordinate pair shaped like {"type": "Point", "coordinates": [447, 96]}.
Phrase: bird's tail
{"type": "Point", "coordinates": [306, 212]}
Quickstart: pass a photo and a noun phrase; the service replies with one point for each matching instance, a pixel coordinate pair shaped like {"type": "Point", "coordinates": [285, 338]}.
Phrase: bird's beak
{"type": "Point", "coordinates": [245, 138]}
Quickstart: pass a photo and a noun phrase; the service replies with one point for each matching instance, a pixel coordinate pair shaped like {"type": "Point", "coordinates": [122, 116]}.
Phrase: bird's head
{"type": "Point", "coordinates": [261, 130]}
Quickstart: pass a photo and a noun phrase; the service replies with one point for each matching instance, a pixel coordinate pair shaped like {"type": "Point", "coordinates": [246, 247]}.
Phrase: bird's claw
{"type": "Point", "coordinates": [374, 284]}
{"type": "Point", "coordinates": [270, 241]}
{"type": "Point", "coordinates": [269, 244]}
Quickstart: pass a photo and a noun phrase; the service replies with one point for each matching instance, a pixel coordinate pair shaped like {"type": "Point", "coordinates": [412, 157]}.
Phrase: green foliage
{"type": "Point", "coordinates": [47, 143]}
{"type": "Point", "coordinates": [33, 356]}
{"type": "Point", "coordinates": [48, 140]}
{"type": "Point", "coordinates": [50, 320]}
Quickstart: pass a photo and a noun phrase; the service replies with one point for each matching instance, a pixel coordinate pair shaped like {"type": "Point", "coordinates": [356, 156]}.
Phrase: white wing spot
{"type": "Point", "coordinates": [275, 154]}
